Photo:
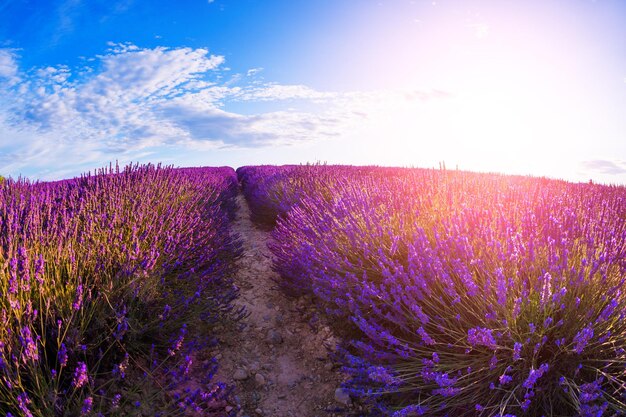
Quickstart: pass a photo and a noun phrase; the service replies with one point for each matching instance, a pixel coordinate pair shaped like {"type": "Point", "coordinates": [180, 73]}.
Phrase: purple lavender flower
{"type": "Point", "coordinates": [420, 313]}
{"type": "Point", "coordinates": [481, 336]}
{"type": "Point", "coordinates": [501, 287]}
{"type": "Point", "coordinates": [78, 300]}
{"type": "Point", "coordinates": [517, 350]}
{"type": "Point", "coordinates": [443, 379]}
{"type": "Point", "coordinates": [595, 410]}
{"type": "Point", "coordinates": [121, 329]}
{"type": "Point", "coordinates": [381, 375]}
{"type": "Point", "coordinates": [534, 375]}
{"type": "Point", "coordinates": [505, 379]}
{"type": "Point", "coordinates": [13, 280]}
{"type": "Point", "coordinates": [493, 362]}
{"type": "Point", "coordinates": [546, 289]}
{"type": "Point", "coordinates": [30, 351]}
{"type": "Point", "coordinates": [582, 338]}
{"type": "Point", "coordinates": [591, 391]}
{"type": "Point", "coordinates": [608, 311]}
{"type": "Point", "coordinates": [166, 311]}
{"type": "Point", "coordinates": [119, 370]}
{"type": "Point", "coordinates": [39, 269]}
{"type": "Point", "coordinates": [447, 391]}
{"type": "Point", "coordinates": [23, 401]}
{"type": "Point", "coordinates": [425, 336]}
{"type": "Point", "coordinates": [411, 410]}
{"type": "Point", "coordinates": [87, 404]}
{"type": "Point", "coordinates": [62, 355]}
{"type": "Point", "coordinates": [81, 377]}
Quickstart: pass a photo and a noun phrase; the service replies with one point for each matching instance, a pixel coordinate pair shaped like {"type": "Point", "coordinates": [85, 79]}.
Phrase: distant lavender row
{"type": "Point", "coordinates": [272, 190]}
{"type": "Point", "coordinates": [112, 283]}
{"type": "Point", "coordinates": [467, 294]}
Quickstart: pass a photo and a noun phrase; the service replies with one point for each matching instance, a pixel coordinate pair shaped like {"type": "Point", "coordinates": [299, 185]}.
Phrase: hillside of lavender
{"type": "Point", "coordinates": [457, 293]}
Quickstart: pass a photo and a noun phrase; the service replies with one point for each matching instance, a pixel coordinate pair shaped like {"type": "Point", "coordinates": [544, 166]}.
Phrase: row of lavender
{"type": "Point", "coordinates": [272, 190]}
{"type": "Point", "coordinates": [113, 284]}
{"type": "Point", "coordinates": [465, 294]}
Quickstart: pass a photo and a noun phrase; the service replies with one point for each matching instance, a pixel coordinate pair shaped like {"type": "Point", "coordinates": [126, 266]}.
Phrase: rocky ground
{"type": "Point", "coordinates": [280, 359]}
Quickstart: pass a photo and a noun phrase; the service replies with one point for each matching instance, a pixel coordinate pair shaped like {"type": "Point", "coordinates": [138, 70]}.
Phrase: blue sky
{"type": "Point", "coordinates": [529, 87]}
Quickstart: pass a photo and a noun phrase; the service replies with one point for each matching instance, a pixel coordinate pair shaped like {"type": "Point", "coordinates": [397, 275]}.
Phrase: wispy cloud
{"type": "Point", "coordinates": [133, 102]}
{"type": "Point", "coordinates": [253, 71]}
{"type": "Point", "coordinates": [602, 166]}
{"type": "Point", "coordinates": [8, 66]}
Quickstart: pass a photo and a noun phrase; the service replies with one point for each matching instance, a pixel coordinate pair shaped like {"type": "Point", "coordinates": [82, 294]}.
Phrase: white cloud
{"type": "Point", "coordinates": [8, 66]}
{"type": "Point", "coordinates": [132, 103]}
{"type": "Point", "coordinates": [253, 71]}
{"type": "Point", "coordinates": [603, 166]}
{"type": "Point", "coordinates": [271, 92]}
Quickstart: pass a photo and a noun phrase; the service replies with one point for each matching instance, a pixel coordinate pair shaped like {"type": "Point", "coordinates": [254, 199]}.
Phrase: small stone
{"type": "Point", "coordinates": [254, 367]}
{"type": "Point", "coordinates": [342, 396]}
{"type": "Point", "coordinates": [240, 375]}
{"type": "Point", "coordinates": [274, 337]}
{"type": "Point", "coordinates": [328, 366]}
{"type": "Point", "coordinates": [228, 408]}
{"type": "Point", "coordinates": [256, 396]}
{"type": "Point", "coordinates": [259, 411]}
{"type": "Point", "coordinates": [259, 379]}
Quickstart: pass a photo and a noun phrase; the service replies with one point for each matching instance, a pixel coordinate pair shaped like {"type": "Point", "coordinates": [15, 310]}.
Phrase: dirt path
{"type": "Point", "coordinates": [279, 360]}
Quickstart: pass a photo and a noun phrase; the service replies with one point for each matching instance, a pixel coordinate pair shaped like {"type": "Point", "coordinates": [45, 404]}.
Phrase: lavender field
{"type": "Point", "coordinates": [111, 283]}
{"type": "Point", "coordinates": [449, 293]}
{"type": "Point", "coordinates": [221, 282]}
{"type": "Point", "coordinates": [456, 293]}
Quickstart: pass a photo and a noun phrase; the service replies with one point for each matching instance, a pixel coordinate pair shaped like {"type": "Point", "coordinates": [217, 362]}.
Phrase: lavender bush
{"type": "Point", "coordinates": [112, 283]}
{"type": "Point", "coordinates": [469, 294]}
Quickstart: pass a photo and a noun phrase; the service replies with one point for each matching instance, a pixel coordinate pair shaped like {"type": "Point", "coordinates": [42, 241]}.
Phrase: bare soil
{"type": "Point", "coordinates": [280, 359]}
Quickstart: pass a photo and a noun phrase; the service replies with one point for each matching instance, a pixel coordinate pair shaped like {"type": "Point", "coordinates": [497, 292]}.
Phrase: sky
{"type": "Point", "coordinates": [534, 87]}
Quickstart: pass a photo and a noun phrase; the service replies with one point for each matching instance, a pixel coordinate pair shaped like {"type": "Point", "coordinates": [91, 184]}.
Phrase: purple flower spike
{"type": "Point", "coordinates": [534, 375]}
{"type": "Point", "coordinates": [81, 377]}
{"type": "Point", "coordinates": [23, 401]}
{"type": "Point", "coordinates": [480, 336]}
{"type": "Point", "coordinates": [30, 351]}
{"type": "Point", "coordinates": [62, 355]}
{"type": "Point", "coordinates": [78, 300]}
{"type": "Point", "coordinates": [582, 338]}
{"type": "Point", "coordinates": [87, 404]}
{"type": "Point", "coordinates": [425, 336]}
